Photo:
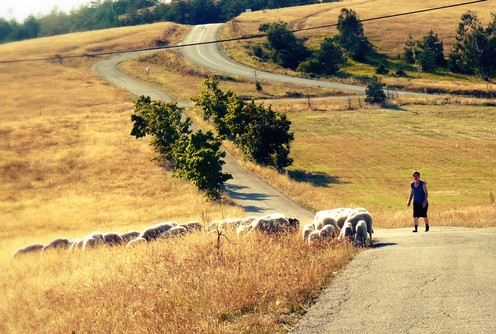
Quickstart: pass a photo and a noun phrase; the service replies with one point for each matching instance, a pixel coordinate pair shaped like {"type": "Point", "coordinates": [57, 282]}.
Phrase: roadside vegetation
{"type": "Point", "coordinates": [386, 37]}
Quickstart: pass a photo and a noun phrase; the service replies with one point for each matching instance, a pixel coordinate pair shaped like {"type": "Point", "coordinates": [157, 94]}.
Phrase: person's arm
{"type": "Point", "coordinates": [410, 198]}
{"type": "Point", "coordinates": [426, 195]}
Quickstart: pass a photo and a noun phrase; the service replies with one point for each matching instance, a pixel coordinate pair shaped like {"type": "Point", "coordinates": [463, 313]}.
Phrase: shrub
{"type": "Point", "coordinates": [375, 92]}
{"type": "Point", "coordinates": [381, 69]}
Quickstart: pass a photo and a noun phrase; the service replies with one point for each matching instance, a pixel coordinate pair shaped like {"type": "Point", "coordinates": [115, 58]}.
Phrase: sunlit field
{"type": "Point", "coordinates": [388, 37]}
{"type": "Point", "coordinates": [69, 167]}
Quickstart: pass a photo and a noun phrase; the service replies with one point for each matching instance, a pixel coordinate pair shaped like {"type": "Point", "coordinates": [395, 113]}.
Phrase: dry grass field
{"type": "Point", "coordinates": [387, 36]}
{"type": "Point", "coordinates": [69, 166]}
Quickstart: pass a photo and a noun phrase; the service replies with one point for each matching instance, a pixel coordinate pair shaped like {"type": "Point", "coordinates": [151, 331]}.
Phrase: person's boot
{"type": "Point", "coordinates": [415, 229]}
{"type": "Point", "coordinates": [427, 227]}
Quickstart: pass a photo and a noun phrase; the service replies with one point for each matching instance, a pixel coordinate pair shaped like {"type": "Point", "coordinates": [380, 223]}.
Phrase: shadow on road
{"type": "Point", "coordinates": [383, 244]}
{"type": "Point", "coordinates": [318, 179]}
{"type": "Point", "coordinates": [237, 194]}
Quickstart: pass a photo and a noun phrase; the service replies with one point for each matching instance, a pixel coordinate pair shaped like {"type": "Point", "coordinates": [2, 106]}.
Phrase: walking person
{"type": "Point", "coordinates": [420, 196]}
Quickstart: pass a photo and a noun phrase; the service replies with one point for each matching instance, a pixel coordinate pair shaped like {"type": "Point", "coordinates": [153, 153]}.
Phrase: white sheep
{"type": "Point", "coordinates": [129, 235]}
{"type": "Point", "coordinates": [361, 233]}
{"type": "Point", "coordinates": [113, 239]}
{"type": "Point", "coordinates": [175, 231]}
{"type": "Point", "coordinates": [327, 232]}
{"type": "Point", "coordinates": [241, 231]}
{"type": "Point", "coordinates": [273, 224]}
{"type": "Point", "coordinates": [314, 237]}
{"type": "Point", "coordinates": [334, 217]}
{"type": "Point", "coordinates": [192, 226]}
{"type": "Point", "coordinates": [93, 239]}
{"type": "Point", "coordinates": [155, 231]}
{"type": "Point", "coordinates": [361, 214]}
{"type": "Point", "coordinates": [346, 231]}
{"type": "Point", "coordinates": [58, 243]}
{"type": "Point", "coordinates": [307, 229]}
{"type": "Point", "coordinates": [29, 249]}
{"type": "Point", "coordinates": [136, 241]}
{"type": "Point", "coordinates": [229, 223]}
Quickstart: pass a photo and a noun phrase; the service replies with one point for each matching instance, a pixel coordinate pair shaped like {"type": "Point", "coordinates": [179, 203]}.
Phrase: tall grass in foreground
{"type": "Point", "coordinates": [188, 285]}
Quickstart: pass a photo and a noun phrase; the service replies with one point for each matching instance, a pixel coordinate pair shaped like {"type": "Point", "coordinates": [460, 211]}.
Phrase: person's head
{"type": "Point", "coordinates": [416, 175]}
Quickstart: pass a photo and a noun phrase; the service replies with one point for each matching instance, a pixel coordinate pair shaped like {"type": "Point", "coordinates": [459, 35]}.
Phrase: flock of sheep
{"type": "Point", "coordinates": [342, 223]}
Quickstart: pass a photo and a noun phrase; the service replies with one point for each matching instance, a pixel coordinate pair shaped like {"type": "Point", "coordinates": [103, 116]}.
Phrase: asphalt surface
{"type": "Point", "coordinates": [442, 281]}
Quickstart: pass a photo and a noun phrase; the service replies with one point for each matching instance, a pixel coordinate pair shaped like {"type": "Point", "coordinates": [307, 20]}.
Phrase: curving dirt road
{"type": "Point", "coordinates": [443, 281]}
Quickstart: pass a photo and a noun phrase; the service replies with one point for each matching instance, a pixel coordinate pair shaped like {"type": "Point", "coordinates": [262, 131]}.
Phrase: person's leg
{"type": "Point", "coordinates": [426, 220]}
{"type": "Point", "coordinates": [415, 224]}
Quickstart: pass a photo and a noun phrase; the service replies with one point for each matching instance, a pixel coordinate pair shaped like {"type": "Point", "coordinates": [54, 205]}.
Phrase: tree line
{"type": "Point", "coordinates": [103, 14]}
{"type": "Point", "coordinates": [473, 52]}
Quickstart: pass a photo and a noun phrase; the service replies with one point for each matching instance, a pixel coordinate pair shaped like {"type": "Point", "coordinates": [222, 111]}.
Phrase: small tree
{"type": "Point", "coordinates": [213, 102]}
{"type": "Point", "coordinates": [284, 47]}
{"type": "Point", "coordinates": [408, 50]}
{"type": "Point", "coordinates": [433, 42]}
{"type": "Point", "coordinates": [375, 92]}
{"type": "Point", "coordinates": [330, 56]}
{"type": "Point", "coordinates": [162, 120]}
{"type": "Point", "coordinates": [381, 69]}
{"type": "Point", "coordinates": [351, 36]}
{"type": "Point", "coordinates": [198, 158]}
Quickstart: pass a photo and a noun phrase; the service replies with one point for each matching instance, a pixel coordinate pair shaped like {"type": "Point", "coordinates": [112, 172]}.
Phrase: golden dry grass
{"type": "Point", "coordinates": [387, 36]}
{"type": "Point", "coordinates": [175, 286]}
{"type": "Point", "coordinates": [69, 166]}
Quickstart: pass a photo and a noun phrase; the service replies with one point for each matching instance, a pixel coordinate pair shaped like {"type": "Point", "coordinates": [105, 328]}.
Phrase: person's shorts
{"type": "Point", "coordinates": [419, 211]}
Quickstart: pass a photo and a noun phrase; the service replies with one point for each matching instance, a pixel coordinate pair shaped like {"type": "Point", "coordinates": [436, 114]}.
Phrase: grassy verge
{"type": "Point", "coordinates": [387, 36]}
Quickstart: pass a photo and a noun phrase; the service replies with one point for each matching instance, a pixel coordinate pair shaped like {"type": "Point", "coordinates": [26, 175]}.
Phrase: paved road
{"type": "Point", "coordinates": [254, 195]}
{"type": "Point", "coordinates": [443, 281]}
{"type": "Point", "coordinates": [210, 57]}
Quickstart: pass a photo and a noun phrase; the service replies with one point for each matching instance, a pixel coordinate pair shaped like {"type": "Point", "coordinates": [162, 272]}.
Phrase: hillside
{"type": "Point", "coordinates": [388, 37]}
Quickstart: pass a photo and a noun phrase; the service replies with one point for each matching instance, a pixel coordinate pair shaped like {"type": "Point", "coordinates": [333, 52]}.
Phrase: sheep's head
{"type": "Point", "coordinates": [294, 223]}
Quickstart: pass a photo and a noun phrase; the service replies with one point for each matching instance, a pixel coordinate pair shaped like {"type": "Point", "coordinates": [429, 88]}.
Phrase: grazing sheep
{"type": "Point", "coordinates": [229, 223]}
{"type": "Point", "coordinates": [241, 230]}
{"type": "Point", "coordinates": [176, 231]}
{"type": "Point", "coordinates": [361, 233]}
{"type": "Point", "coordinates": [334, 217]}
{"type": "Point", "coordinates": [58, 243]}
{"type": "Point", "coordinates": [129, 235]}
{"type": "Point", "coordinates": [155, 231]}
{"type": "Point", "coordinates": [192, 226]}
{"type": "Point", "coordinates": [273, 224]}
{"type": "Point", "coordinates": [29, 249]}
{"type": "Point", "coordinates": [307, 229]}
{"type": "Point", "coordinates": [314, 237]}
{"type": "Point", "coordinates": [76, 244]}
{"type": "Point", "coordinates": [361, 214]}
{"type": "Point", "coordinates": [346, 232]}
{"type": "Point", "coordinates": [112, 239]}
{"type": "Point", "coordinates": [136, 241]}
{"type": "Point", "coordinates": [93, 239]}
{"type": "Point", "coordinates": [327, 232]}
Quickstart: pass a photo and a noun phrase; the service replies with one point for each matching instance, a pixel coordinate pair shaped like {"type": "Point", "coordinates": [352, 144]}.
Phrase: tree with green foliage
{"type": "Point", "coordinates": [263, 134]}
{"type": "Point", "coordinates": [213, 102]}
{"type": "Point", "coordinates": [375, 92]}
{"type": "Point", "coordinates": [474, 49]}
{"type": "Point", "coordinates": [285, 49]}
{"type": "Point", "coordinates": [351, 36]}
{"type": "Point", "coordinates": [198, 158]}
{"type": "Point", "coordinates": [424, 57]}
{"type": "Point", "coordinates": [266, 138]}
{"type": "Point", "coordinates": [433, 42]}
{"type": "Point", "coordinates": [327, 60]}
{"type": "Point", "coordinates": [163, 121]}
{"type": "Point", "coordinates": [193, 156]}
{"type": "Point", "coordinates": [408, 50]}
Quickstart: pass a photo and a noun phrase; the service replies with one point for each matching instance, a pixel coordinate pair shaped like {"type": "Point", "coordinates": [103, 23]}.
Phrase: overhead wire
{"type": "Point", "coordinates": [93, 55]}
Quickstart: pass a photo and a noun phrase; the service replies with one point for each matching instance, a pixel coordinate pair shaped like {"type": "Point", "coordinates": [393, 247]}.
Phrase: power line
{"type": "Point", "coordinates": [92, 55]}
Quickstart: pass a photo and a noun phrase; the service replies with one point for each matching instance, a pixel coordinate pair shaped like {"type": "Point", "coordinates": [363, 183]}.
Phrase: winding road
{"type": "Point", "coordinates": [443, 281]}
